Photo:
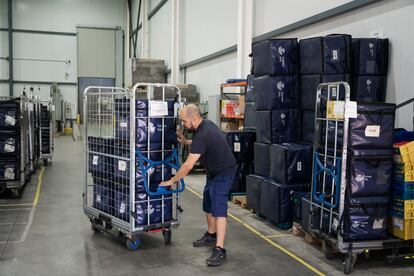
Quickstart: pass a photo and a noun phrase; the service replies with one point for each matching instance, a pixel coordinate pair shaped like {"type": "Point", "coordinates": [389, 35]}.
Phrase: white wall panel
{"type": "Point", "coordinates": [4, 89]}
{"type": "Point", "coordinates": [4, 52]}
{"type": "Point", "coordinates": [3, 14]}
{"type": "Point", "coordinates": [64, 15]}
{"type": "Point", "coordinates": [273, 14]}
{"type": "Point", "coordinates": [160, 34]}
{"type": "Point", "coordinates": [207, 27]}
{"type": "Point", "coordinates": [154, 3]}
{"type": "Point", "coordinates": [209, 75]}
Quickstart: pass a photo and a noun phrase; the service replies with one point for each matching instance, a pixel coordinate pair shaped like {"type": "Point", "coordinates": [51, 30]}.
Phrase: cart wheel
{"type": "Point", "coordinates": [167, 233]}
{"type": "Point", "coordinates": [349, 263]}
{"type": "Point", "coordinates": [16, 193]}
{"type": "Point", "coordinates": [94, 228]}
{"type": "Point", "coordinates": [328, 251]}
{"type": "Point", "coordinates": [45, 162]}
{"type": "Point", "coordinates": [133, 244]}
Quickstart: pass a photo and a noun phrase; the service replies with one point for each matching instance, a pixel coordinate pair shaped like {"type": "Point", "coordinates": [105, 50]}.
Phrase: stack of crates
{"type": "Point", "coordinates": [45, 129]}
{"type": "Point", "coordinates": [10, 155]}
{"type": "Point", "coordinates": [403, 189]}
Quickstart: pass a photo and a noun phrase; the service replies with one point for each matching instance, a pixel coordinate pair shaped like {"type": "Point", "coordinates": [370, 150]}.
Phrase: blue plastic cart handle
{"type": "Point", "coordinates": [172, 161]}
{"type": "Point", "coordinates": [335, 172]}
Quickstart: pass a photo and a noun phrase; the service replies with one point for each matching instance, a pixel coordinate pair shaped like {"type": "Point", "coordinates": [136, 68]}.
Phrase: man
{"type": "Point", "coordinates": [211, 148]}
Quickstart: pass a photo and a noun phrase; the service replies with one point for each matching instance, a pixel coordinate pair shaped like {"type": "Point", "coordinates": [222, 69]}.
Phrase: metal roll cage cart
{"type": "Point", "coordinates": [102, 119]}
{"type": "Point", "coordinates": [46, 154]}
{"type": "Point", "coordinates": [329, 179]}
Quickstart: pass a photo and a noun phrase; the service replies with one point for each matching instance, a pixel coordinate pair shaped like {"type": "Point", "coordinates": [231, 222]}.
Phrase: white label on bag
{"type": "Point", "coordinates": [299, 166]}
{"type": "Point", "coordinates": [10, 120]}
{"type": "Point", "coordinates": [351, 109]}
{"type": "Point", "coordinates": [372, 131]}
{"type": "Point", "coordinates": [9, 148]}
{"type": "Point", "coordinates": [399, 223]}
{"type": "Point", "coordinates": [333, 91]}
{"type": "Point", "coordinates": [98, 198]}
{"type": "Point", "coordinates": [236, 147]}
{"type": "Point", "coordinates": [121, 165]}
{"type": "Point", "coordinates": [158, 108]}
{"type": "Point", "coordinates": [122, 208]}
{"type": "Point", "coordinates": [9, 173]}
{"type": "Point", "coordinates": [123, 124]}
{"type": "Point", "coordinates": [335, 223]}
{"type": "Point", "coordinates": [335, 55]}
{"type": "Point", "coordinates": [378, 224]}
{"type": "Point", "coordinates": [95, 160]}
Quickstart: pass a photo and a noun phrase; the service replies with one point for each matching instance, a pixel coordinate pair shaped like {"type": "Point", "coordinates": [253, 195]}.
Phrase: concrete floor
{"type": "Point", "coordinates": [55, 238]}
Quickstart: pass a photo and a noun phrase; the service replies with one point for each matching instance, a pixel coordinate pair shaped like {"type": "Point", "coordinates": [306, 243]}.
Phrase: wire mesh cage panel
{"type": "Point", "coordinates": [127, 155]}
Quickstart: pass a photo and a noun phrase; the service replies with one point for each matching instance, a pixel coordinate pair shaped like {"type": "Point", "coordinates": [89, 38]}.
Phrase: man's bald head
{"type": "Point", "coordinates": [190, 116]}
{"type": "Point", "coordinates": [191, 110]}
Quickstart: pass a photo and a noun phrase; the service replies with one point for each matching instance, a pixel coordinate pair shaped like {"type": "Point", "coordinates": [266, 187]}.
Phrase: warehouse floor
{"type": "Point", "coordinates": [46, 232]}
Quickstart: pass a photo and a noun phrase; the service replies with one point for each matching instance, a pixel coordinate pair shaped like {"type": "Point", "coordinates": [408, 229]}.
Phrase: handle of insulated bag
{"type": "Point", "coordinates": [172, 161]}
{"type": "Point", "coordinates": [335, 173]}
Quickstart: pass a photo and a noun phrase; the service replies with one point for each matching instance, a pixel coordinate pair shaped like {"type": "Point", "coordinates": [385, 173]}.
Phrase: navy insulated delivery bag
{"type": "Point", "coordinates": [308, 86]}
{"type": "Point", "coordinates": [263, 127]}
{"type": "Point", "coordinates": [250, 89]}
{"type": "Point", "coordinates": [370, 56]}
{"type": "Point", "coordinates": [276, 200]}
{"type": "Point", "coordinates": [308, 125]}
{"type": "Point", "coordinates": [275, 57]}
{"type": "Point", "coordinates": [325, 55]}
{"type": "Point", "coordinates": [9, 143]}
{"type": "Point", "coordinates": [285, 126]}
{"type": "Point", "coordinates": [242, 144]}
{"type": "Point", "coordinates": [253, 183]}
{"type": "Point", "coordinates": [102, 195]}
{"type": "Point", "coordinates": [249, 116]}
{"type": "Point", "coordinates": [374, 126]}
{"type": "Point", "coordinates": [366, 219]}
{"type": "Point", "coordinates": [262, 159]}
{"type": "Point", "coordinates": [369, 88]}
{"type": "Point", "coordinates": [239, 182]}
{"type": "Point", "coordinates": [370, 172]}
{"type": "Point", "coordinates": [278, 92]}
{"type": "Point", "coordinates": [290, 163]}
{"type": "Point", "coordinates": [9, 170]}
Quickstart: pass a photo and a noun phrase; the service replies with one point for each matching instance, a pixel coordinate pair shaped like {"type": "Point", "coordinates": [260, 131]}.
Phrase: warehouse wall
{"type": "Point", "coordinates": [58, 16]}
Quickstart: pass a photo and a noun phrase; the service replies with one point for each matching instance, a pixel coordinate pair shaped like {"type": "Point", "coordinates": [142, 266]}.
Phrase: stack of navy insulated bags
{"type": "Point", "coordinates": [370, 172]}
{"type": "Point", "coordinates": [111, 174]}
{"type": "Point", "coordinates": [370, 65]}
{"type": "Point", "coordinates": [322, 59]}
{"type": "Point", "coordinates": [280, 163]}
{"type": "Point", "coordinates": [241, 143]}
{"type": "Point", "coordinates": [10, 140]}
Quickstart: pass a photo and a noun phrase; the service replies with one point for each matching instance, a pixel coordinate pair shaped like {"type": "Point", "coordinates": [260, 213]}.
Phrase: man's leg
{"type": "Point", "coordinates": [211, 224]}
{"type": "Point", "coordinates": [221, 225]}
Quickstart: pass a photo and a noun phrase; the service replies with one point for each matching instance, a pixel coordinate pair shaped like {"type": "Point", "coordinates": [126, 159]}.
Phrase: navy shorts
{"type": "Point", "coordinates": [216, 193]}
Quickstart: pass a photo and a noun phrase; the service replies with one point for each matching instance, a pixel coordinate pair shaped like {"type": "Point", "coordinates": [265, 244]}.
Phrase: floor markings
{"type": "Point", "coordinates": [268, 240]}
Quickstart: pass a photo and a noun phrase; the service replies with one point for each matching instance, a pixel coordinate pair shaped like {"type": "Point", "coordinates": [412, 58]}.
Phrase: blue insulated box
{"type": "Point", "coordinates": [249, 116]}
{"type": "Point", "coordinates": [253, 183]}
{"type": "Point", "coordinates": [308, 125]}
{"type": "Point", "coordinates": [366, 218]}
{"type": "Point", "coordinates": [308, 86]}
{"type": "Point", "coordinates": [239, 182]}
{"type": "Point", "coordinates": [374, 126]}
{"type": "Point", "coordinates": [276, 92]}
{"type": "Point", "coordinates": [276, 200]}
{"type": "Point", "coordinates": [285, 126]}
{"type": "Point", "coordinates": [275, 57]}
{"type": "Point", "coordinates": [264, 127]}
{"type": "Point", "coordinates": [102, 195]}
{"type": "Point", "coordinates": [242, 144]}
{"type": "Point", "coordinates": [9, 143]}
{"type": "Point", "coordinates": [9, 169]}
{"type": "Point", "coordinates": [369, 88]}
{"type": "Point", "coordinates": [325, 55]}
{"type": "Point", "coordinates": [262, 159]}
{"type": "Point", "coordinates": [370, 56]}
{"type": "Point", "coordinates": [291, 163]}
{"type": "Point", "coordinates": [10, 113]}
{"type": "Point", "coordinates": [370, 172]}
{"type": "Point", "coordinates": [250, 97]}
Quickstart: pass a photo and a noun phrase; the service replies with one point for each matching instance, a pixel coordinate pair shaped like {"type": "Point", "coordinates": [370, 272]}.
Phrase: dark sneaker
{"type": "Point", "coordinates": [206, 240]}
{"type": "Point", "coordinates": [217, 258]}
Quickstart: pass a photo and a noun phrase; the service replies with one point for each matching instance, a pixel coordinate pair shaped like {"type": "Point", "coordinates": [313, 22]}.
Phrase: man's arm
{"type": "Point", "coordinates": [184, 170]}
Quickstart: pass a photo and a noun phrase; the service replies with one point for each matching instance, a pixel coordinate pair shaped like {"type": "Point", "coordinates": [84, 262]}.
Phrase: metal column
{"type": "Point", "coordinates": [244, 36]}
{"type": "Point", "coordinates": [145, 30]}
{"type": "Point", "coordinates": [175, 42]}
{"type": "Point", "coordinates": [10, 17]}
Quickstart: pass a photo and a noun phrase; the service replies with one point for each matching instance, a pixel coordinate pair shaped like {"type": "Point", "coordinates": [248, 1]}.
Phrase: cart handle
{"type": "Point", "coordinates": [172, 161]}
{"type": "Point", "coordinates": [318, 169]}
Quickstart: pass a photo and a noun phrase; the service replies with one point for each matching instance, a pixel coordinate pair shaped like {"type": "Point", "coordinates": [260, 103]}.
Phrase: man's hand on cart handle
{"type": "Point", "coordinates": [184, 170]}
{"type": "Point", "coordinates": [181, 138]}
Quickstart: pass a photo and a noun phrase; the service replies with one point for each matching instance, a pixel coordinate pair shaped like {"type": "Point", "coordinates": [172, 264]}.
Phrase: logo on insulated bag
{"type": "Point", "coordinates": [280, 86]}
{"type": "Point", "coordinates": [369, 82]}
{"type": "Point", "coordinates": [281, 51]}
{"type": "Point", "coordinates": [283, 117]}
{"type": "Point", "coordinates": [371, 48]}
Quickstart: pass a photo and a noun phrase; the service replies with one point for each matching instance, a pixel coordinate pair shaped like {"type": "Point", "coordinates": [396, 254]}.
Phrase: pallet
{"type": "Point", "coordinates": [240, 200]}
